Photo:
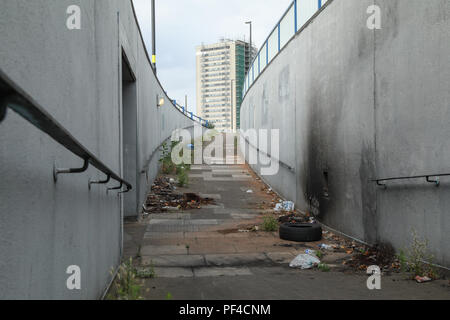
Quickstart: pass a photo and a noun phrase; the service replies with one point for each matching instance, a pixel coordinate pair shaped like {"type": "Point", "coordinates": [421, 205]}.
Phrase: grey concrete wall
{"type": "Point", "coordinates": [354, 104]}
{"type": "Point", "coordinates": [76, 76]}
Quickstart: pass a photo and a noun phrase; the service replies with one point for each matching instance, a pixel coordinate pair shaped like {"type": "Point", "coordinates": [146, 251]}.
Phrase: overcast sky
{"type": "Point", "coordinates": [183, 24]}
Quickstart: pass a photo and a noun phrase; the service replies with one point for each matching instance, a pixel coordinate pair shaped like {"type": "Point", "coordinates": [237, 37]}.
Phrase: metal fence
{"type": "Point", "coordinates": [191, 115]}
{"type": "Point", "coordinates": [295, 17]}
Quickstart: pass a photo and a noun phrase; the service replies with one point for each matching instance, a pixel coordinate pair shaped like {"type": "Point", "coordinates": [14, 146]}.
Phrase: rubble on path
{"type": "Point", "coordinates": [380, 255]}
{"type": "Point", "coordinates": [164, 198]}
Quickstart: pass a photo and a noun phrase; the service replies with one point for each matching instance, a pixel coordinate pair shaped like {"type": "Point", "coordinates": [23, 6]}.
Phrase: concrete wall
{"type": "Point", "coordinates": [354, 104]}
{"type": "Point", "coordinates": [76, 76]}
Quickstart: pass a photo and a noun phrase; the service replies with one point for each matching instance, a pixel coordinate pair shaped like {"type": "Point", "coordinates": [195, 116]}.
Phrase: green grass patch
{"type": "Point", "coordinates": [270, 224]}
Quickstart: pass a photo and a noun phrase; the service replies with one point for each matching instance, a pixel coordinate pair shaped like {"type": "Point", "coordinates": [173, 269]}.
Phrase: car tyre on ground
{"type": "Point", "coordinates": [301, 232]}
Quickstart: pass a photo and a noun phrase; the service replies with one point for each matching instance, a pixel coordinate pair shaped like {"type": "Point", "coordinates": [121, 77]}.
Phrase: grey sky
{"type": "Point", "coordinates": [184, 24]}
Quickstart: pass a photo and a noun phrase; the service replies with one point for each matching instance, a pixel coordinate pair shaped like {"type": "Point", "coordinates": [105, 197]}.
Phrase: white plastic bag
{"type": "Point", "coordinates": [304, 261]}
{"type": "Point", "coordinates": [287, 206]}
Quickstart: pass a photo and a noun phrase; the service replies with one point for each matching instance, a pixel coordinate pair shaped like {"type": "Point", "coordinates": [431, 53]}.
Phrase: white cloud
{"type": "Point", "coordinates": [183, 24]}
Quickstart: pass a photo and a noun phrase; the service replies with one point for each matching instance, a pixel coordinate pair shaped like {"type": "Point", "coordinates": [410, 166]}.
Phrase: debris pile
{"type": "Point", "coordinates": [296, 217]}
{"type": "Point", "coordinates": [163, 198]}
{"type": "Point", "coordinates": [339, 244]}
{"type": "Point", "coordinates": [380, 255]}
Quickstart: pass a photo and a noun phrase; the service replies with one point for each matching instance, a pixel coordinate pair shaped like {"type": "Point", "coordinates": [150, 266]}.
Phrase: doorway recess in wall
{"type": "Point", "coordinates": [129, 137]}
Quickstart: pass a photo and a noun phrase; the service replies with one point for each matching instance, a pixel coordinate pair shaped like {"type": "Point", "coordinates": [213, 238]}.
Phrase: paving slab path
{"type": "Point", "coordinates": [207, 254]}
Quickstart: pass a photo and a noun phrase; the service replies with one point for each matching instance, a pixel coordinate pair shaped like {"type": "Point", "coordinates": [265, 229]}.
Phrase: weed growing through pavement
{"type": "Point", "coordinates": [126, 286]}
{"type": "Point", "coordinates": [323, 267]}
{"type": "Point", "coordinates": [403, 260]}
{"type": "Point", "coordinates": [182, 176]}
{"type": "Point", "coordinates": [167, 166]}
{"type": "Point", "coordinates": [146, 273]}
{"type": "Point", "coordinates": [270, 224]}
{"type": "Point", "coordinates": [417, 259]}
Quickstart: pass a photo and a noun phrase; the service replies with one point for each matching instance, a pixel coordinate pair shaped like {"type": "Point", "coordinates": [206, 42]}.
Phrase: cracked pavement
{"type": "Point", "coordinates": [206, 254]}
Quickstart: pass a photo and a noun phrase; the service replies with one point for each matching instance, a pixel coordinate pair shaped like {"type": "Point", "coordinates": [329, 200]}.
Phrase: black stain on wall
{"type": "Point", "coordinates": [316, 160]}
{"type": "Point", "coordinates": [368, 194]}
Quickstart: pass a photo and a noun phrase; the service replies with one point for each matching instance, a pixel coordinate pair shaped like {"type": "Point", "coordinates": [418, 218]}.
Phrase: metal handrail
{"type": "Point", "coordinates": [283, 164]}
{"type": "Point", "coordinates": [427, 177]}
{"type": "Point", "coordinates": [190, 115]}
{"type": "Point", "coordinates": [14, 98]}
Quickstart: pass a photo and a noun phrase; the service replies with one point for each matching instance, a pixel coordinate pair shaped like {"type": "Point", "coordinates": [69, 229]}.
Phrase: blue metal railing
{"type": "Point", "coordinates": [296, 16]}
{"type": "Point", "coordinates": [190, 114]}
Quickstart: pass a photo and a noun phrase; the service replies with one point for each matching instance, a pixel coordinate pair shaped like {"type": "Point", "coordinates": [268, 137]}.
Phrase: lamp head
{"type": "Point", "coordinates": [160, 101]}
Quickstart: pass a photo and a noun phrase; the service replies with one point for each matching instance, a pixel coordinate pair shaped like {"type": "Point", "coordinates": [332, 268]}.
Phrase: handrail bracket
{"type": "Point", "coordinates": [436, 181]}
{"type": "Point", "coordinates": [380, 184]}
{"type": "Point", "coordinates": [57, 171]}
{"type": "Point", "coordinates": [91, 182]}
{"type": "Point", "coordinates": [116, 188]}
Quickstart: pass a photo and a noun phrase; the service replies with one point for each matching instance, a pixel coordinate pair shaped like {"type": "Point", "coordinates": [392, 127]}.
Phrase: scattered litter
{"type": "Point", "coordinates": [293, 218]}
{"type": "Point", "coordinates": [250, 191]}
{"type": "Point", "coordinates": [284, 206]}
{"type": "Point", "coordinates": [310, 252]}
{"type": "Point", "coordinates": [325, 246]}
{"type": "Point", "coordinates": [190, 146]}
{"type": "Point", "coordinates": [420, 279]}
{"type": "Point", "coordinates": [244, 230]}
{"type": "Point", "coordinates": [304, 261]}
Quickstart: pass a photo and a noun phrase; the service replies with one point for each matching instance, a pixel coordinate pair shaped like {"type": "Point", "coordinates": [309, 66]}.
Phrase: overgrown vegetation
{"type": "Point", "coordinates": [417, 259]}
{"type": "Point", "coordinates": [183, 178]}
{"type": "Point", "coordinates": [269, 224]}
{"type": "Point", "coordinates": [169, 167]}
{"type": "Point", "coordinates": [126, 285]}
{"type": "Point", "coordinates": [402, 259]}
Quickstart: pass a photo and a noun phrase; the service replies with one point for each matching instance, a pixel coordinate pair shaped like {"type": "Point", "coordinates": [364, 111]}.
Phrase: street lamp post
{"type": "Point", "coordinates": [153, 36]}
{"type": "Point", "coordinates": [251, 51]}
